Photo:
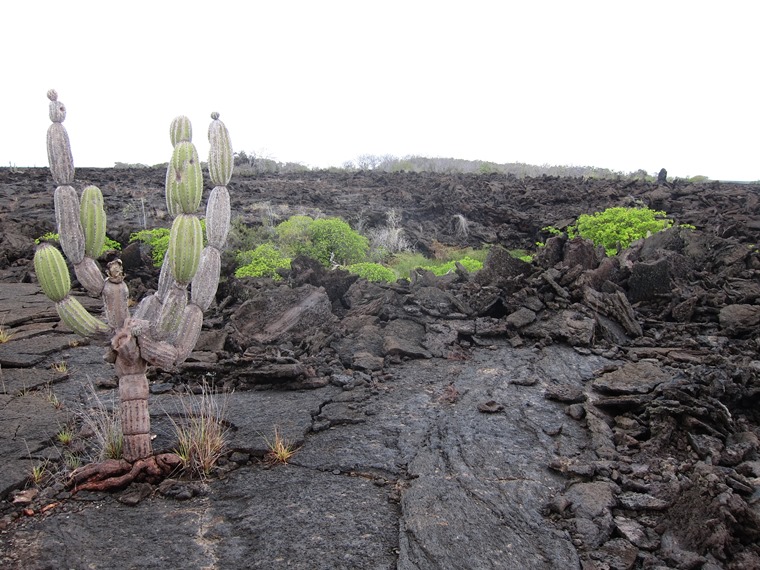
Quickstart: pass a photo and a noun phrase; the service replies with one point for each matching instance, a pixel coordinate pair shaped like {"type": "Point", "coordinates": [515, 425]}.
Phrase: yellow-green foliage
{"type": "Point", "coordinates": [110, 245]}
{"type": "Point", "coordinates": [616, 228]}
{"type": "Point", "coordinates": [372, 272]}
{"type": "Point", "coordinates": [264, 261]}
{"type": "Point", "coordinates": [158, 241]}
{"type": "Point", "coordinates": [404, 263]}
{"type": "Point", "coordinates": [293, 235]}
{"type": "Point", "coordinates": [467, 262]}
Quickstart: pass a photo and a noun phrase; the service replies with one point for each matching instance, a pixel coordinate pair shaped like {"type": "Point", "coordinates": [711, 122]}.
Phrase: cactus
{"type": "Point", "coordinates": [165, 326]}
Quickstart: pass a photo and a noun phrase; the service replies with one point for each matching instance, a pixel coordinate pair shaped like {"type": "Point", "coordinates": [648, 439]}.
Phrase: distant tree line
{"type": "Point", "coordinates": [389, 163]}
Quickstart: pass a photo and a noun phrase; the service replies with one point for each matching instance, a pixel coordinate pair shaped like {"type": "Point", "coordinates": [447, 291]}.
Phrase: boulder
{"type": "Point", "coordinates": [283, 315]}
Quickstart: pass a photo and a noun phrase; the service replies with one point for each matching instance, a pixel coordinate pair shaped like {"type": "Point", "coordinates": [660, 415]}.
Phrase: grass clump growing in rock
{"type": "Point", "coordinates": [372, 272]}
{"type": "Point", "coordinates": [101, 425]}
{"type": "Point", "coordinates": [5, 335]}
{"type": "Point", "coordinates": [280, 449]}
{"type": "Point", "coordinates": [202, 434]}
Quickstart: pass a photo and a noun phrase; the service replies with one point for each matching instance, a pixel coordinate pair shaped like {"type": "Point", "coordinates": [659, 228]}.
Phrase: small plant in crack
{"type": "Point", "coordinates": [280, 449]}
{"type": "Point", "coordinates": [5, 335]}
{"type": "Point", "coordinates": [53, 399]}
{"type": "Point", "coordinates": [202, 434]}
{"type": "Point", "coordinates": [60, 367]}
{"type": "Point", "coordinates": [39, 473]}
{"type": "Point", "coordinates": [65, 436]}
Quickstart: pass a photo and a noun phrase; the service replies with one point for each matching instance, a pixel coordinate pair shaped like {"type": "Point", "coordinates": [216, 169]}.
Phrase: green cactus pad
{"type": "Point", "coordinates": [184, 180]}
{"type": "Point", "coordinates": [52, 272]}
{"type": "Point", "coordinates": [185, 245]}
{"type": "Point", "coordinates": [93, 218]}
{"type": "Point", "coordinates": [181, 130]}
{"type": "Point", "coordinates": [220, 156]}
{"type": "Point", "coordinates": [79, 319]}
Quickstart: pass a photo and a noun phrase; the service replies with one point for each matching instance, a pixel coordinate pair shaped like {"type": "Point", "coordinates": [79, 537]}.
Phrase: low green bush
{"type": "Point", "coordinates": [264, 261]}
{"type": "Point", "coordinates": [293, 235]}
{"type": "Point", "coordinates": [616, 228]}
{"type": "Point", "coordinates": [468, 263]}
{"type": "Point", "coordinates": [372, 272]}
{"type": "Point", "coordinates": [333, 240]}
{"type": "Point", "coordinates": [328, 240]}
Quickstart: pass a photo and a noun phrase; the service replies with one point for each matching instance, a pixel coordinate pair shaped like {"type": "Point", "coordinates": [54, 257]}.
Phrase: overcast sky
{"type": "Point", "coordinates": [621, 85]}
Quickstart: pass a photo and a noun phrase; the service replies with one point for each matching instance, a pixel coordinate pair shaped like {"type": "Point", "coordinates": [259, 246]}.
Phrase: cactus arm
{"type": "Point", "coordinates": [58, 147]}
{"type": "Point", "coordinates": [52, 272]}
{"type": "Point", "coordinates": [92, 216]}
{"type": "Point", "coordinates": [54, 279]}
{"type": "Point", "coordinates": [221, 159]}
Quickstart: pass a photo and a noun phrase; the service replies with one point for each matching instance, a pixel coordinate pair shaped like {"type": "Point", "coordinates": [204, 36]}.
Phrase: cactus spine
{"type": "Point", "coordinates": [166, 325]}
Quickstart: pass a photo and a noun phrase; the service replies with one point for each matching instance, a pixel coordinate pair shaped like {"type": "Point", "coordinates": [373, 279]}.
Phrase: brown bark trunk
{"type": "Point", "coordinates": [133, 397]}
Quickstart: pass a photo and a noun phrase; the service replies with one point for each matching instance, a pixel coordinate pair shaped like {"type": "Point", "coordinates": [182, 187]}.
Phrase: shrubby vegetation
{"type": "Point", "coordinates": [254, 163]}
{"type": "Point", "coordinates": [157, 240]}
{"type": "Point", "coordinates": [52, 237]}
{"type": "Point", "coordinates": [264, 261]}
{"type": "Point", "coordinates": [617, 228]}
{"type": "Point", "coordinates": [373, 271]}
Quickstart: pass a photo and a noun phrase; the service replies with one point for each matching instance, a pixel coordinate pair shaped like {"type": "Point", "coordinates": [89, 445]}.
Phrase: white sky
{"type": "Point", "coordinates": [621, 85]}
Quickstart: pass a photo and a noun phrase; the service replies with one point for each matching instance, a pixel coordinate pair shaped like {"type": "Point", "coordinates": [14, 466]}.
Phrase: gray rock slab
{"type": "Point", "coordinates": [28, 423]}
{"type": "Point", "coordinates": [632, 378]}
{"type": "Point", "coordinates": [284, 517]}
{"type": "Point", "coordinates": [254, 416]}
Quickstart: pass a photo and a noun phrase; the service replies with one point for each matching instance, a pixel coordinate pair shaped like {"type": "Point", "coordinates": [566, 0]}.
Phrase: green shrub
{"type": "Point", "coordinates": [264, 261]}
{"type": "Point", "coordinates": [372, 272]}
{"type": "Point", "coordinates": [109, 245]}
{"type": "Point", "coordinates": [325, 239]}
{"type": "Point", "coordinates": [158, 241]}
{"type": "Point", "coordinates": [333, 240]}
{"type": "Point", "coordinates": [293, 235]}
{"type": "Point", "coordinates": [618, 227]}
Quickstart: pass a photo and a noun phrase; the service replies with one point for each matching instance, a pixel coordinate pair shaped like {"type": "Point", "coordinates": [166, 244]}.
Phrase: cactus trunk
{"type": "Point", "coordinates": [133, 397]}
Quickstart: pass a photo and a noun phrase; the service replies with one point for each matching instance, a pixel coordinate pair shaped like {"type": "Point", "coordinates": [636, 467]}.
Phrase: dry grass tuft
{"type": "Point", "coordinates": [104, 427]}
{"type": "Point", "coordinates": [202, 434]}
{"type": "Point", "coordinates": [5, 336]}
{"type": "Point", "coordinates": [280, 450]}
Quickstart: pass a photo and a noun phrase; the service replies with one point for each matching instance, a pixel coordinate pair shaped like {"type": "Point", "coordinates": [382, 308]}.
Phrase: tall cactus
{"type": "Point", "coordinates": [166, 325]}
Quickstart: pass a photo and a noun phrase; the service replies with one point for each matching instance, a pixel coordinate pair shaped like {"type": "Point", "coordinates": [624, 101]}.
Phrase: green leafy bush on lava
{"type": "Point", "coordinates": [264, 261]}
{"type": "Point", "coordinates": [618, 227]}
{"type": "Point", "coordinates": [372, 272]}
